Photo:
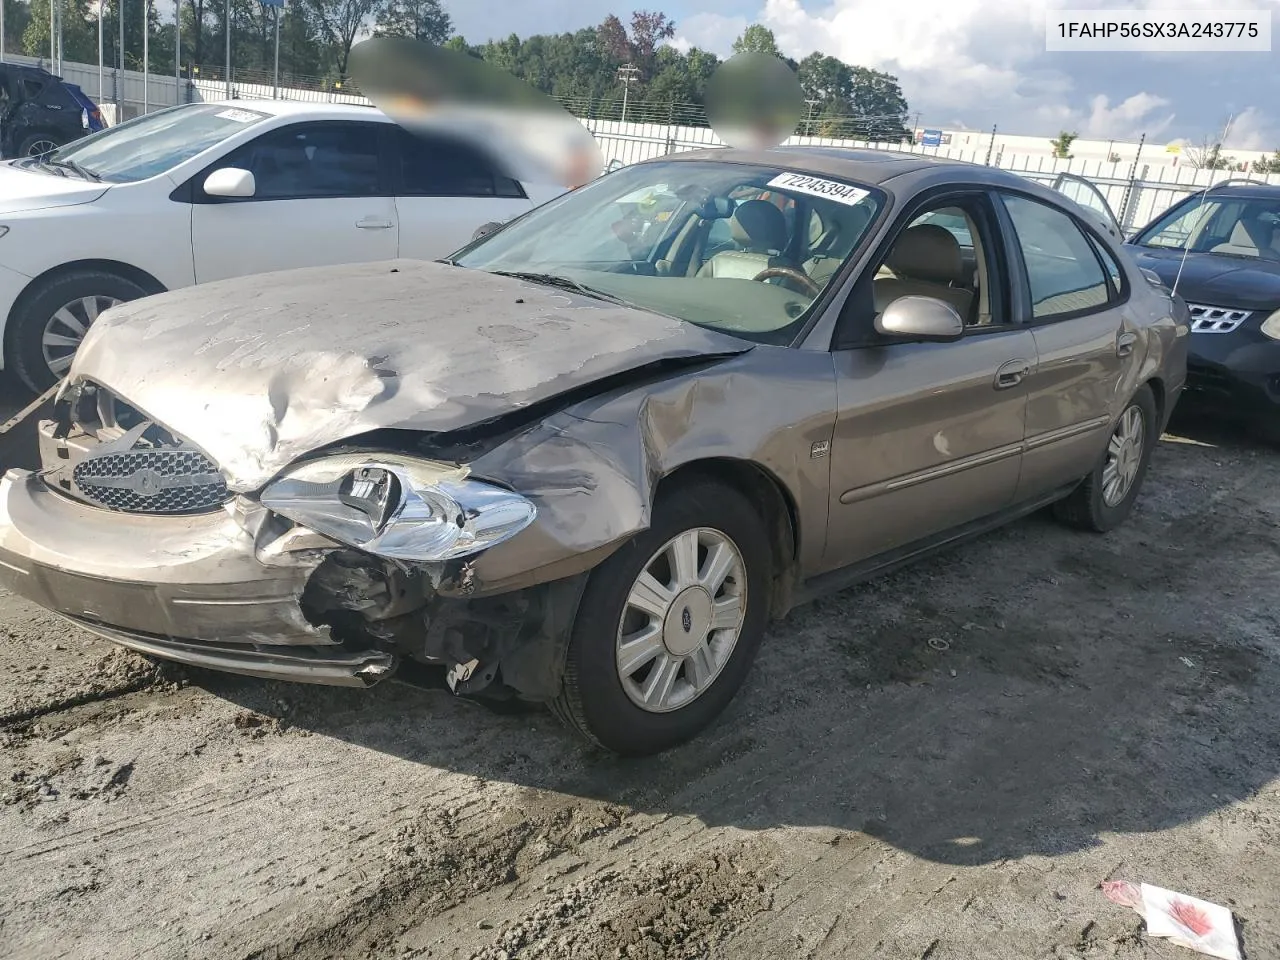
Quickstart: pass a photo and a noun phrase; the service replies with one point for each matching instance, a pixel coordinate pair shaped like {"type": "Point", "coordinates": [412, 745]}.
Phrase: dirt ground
{"type": "Point", "coordinates": [941, 764]}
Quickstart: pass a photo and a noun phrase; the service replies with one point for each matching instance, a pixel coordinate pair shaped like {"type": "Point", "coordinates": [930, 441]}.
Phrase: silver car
{"type": "Point", "coordinates": [572, 469]}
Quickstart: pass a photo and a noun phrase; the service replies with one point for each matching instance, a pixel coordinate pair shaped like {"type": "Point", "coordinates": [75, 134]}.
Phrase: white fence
{"type": "Point", "coordinates": [1137, 191]}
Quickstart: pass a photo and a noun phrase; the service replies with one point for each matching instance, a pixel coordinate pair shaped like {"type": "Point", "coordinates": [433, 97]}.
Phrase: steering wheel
{"type": "Point", "coordinates": [790, 273]}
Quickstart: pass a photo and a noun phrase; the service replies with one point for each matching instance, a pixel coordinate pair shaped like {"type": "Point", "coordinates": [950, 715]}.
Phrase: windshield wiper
{"type": "Point", "coordinates": [42, 162]}
{"type": "Point", "coordinates": [84, 172]}
{"type": "Point", "coordinates": [564, 283]}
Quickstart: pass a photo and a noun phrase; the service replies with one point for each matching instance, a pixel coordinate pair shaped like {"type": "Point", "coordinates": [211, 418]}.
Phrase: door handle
{"type": "Point", "coordinates": [374, 223]}
{"type": "Point", "coordinates": [1124, 344]}
{"type": "Point", "coordinates": [1011, 374]}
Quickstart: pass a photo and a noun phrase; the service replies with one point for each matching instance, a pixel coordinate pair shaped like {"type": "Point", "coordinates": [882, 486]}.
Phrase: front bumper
{"type": "Point", "coordinates": [1236, 375]}
{"type": "Point", "coordinates": [186, 588]}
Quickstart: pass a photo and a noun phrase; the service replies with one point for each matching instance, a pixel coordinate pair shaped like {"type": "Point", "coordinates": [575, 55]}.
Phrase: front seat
{"type": "Point", "coordinates": [1250, 238]}
{"type": "Point", "coordinates": [760, 229]}
{"type": "Point", "coordinates": [927, 262]}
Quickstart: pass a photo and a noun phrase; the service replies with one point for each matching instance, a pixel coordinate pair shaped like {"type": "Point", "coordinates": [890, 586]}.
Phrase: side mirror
{"type": "Point", "coordinates": [230, 182]}
{"type": "Point", "coordinates": [921, 318]}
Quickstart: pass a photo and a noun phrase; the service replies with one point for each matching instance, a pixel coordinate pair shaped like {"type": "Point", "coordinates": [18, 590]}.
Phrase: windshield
{"type": "Point", "coordinates": [745, 249]}
{"type": "Point", "coordinates": [1234, 226]}
{"type": "Point", "coordinates": [153, 144]}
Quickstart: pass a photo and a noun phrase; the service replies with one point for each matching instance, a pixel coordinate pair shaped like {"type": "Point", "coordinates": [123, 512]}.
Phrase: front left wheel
{"type": "Point", "coordinates": [52, 318]}
{"type": "Point", "coordinates": [669, 625]}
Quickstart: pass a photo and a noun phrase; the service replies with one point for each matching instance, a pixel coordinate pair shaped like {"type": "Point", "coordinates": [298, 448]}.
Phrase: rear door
{"type": "Point", "coordinates": [1089, 196]}
{"type": "Point", "coordinates": [322, 198]}
{"type": "Point", "coordinates": [445, 189]}
{"type": "Point", "coordinates": [1072, 296]}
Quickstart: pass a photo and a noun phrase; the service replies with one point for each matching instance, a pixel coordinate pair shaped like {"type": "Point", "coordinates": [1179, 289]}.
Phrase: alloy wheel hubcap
{"type": "Point", "coordinates": [682, 620]}
{"type": "Point", "coordinates": [1124, 456]}
{"type": "Point", "coordinates": [41, 147]}
{"type": "Point", "coordinates": [67, 327]}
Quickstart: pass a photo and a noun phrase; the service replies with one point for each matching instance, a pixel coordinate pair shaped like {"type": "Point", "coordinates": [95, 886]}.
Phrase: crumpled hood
{"type": "Point", "coordinates": [22, 190]}
{"type": "Point", "coordinates": [1216, 280]}
{"type": "Point", "coordinates": [261, 370]}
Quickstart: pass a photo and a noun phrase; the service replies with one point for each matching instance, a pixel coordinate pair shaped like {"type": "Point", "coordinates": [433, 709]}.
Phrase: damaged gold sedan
{"type": "Point", "coordinates": [584, 462]}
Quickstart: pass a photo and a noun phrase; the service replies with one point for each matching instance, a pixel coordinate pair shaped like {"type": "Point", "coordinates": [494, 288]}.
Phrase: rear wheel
{"type": "Point", "coordinates": [50, 321]}
{"type": "Point", "coordinates": [1106, 497]}
{"type": "Point", "coordinates": [37, 144]}
{"type": "Point", "coordinates": [669, 625]}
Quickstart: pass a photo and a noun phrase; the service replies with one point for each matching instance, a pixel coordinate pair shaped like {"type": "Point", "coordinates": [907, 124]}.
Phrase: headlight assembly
{"type": "Point", "coordinates": [398, 507]}
{"type": "Point", "coordinates": [1271, 326]}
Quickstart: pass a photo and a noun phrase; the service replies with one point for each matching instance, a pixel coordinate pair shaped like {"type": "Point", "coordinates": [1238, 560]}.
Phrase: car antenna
{"type": "Point", "coordinates": [1204, 194]}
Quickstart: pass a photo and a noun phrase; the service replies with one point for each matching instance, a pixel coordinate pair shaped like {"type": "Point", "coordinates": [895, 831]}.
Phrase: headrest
{"type": "Point", "coordinates": [927, 252]}
{"type": "Point", "coordinates": [759, 226]}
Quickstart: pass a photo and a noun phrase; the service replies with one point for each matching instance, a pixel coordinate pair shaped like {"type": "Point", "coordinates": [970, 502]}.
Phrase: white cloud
{"type": "Point", "coordinates": [984, 62]}
{"type": "Point", "coordinates": [710, 31]}
{"type": "Point", "coordinates": [1252, 130]}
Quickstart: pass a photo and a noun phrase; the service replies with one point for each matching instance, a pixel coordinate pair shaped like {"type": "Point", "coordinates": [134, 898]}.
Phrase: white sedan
{"type": "Point", "coordinates": [209, 191]}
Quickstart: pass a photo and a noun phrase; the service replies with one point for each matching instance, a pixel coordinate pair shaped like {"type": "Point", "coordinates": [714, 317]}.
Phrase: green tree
{"type": "Point", "coordinates": [17, 15]}
{"type": "Point", "coordinates": [79, 32]}
{"type": "Point", "coordinates": [757, 39]}
{"type": "Point", "coordinates": [1267, 164]}
{"type": "Point", "coordinates": [1062, 144]}
{"type": "Point", "coordinates": [420, 19]}
{"type": "Point", "coordinates": [339, 22]}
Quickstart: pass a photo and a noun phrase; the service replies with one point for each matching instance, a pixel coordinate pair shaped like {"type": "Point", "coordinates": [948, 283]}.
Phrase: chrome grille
{"type": "Point", "coordinates": [1207, 319]}
{"type": "Point", "coordinates": [168, 481]}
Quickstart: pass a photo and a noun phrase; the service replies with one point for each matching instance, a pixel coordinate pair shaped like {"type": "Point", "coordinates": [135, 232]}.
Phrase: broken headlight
{"type": "Point", "coordinates": [398, 507]}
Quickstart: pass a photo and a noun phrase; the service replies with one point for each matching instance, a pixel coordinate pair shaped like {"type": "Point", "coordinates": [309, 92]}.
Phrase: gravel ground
{"type": "Point", "coordinates": [941, 764]}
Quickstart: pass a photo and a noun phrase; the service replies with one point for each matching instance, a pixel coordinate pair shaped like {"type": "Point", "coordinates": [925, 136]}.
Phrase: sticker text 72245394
{"type": "Point", "coordinates": [817, 187]}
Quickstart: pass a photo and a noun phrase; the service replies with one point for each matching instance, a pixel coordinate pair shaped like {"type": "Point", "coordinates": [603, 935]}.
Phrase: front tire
{"type": "Point", "coordinates": [1106, 497]}
{"type": "Point", "coordinates": [49, 322]}
{"type": "Point", "coordinates": [669, 625]}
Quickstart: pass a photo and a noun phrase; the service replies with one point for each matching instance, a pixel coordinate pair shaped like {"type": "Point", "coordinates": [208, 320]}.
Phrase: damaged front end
{"type": "Point", "coordinates": [341, 568]}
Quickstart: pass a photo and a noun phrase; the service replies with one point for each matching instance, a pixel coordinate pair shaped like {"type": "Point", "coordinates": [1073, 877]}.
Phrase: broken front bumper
{"type": "Point", "coordinates": [185, 588]}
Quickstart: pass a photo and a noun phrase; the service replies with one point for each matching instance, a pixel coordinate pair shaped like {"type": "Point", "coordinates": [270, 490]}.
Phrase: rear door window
{"type": "Point", "coordinates": [444, 167]}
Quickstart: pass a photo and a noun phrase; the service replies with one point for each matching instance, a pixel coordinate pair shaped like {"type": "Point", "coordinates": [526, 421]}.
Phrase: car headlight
{"type": "Point", "coordinates": [1271, 326]}
{"type": "Point", "coordinates": [398, 507]}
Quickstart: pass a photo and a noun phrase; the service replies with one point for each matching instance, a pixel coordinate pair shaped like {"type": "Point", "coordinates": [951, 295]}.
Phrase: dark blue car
{"type": "Point", "coordinates": [1222, 249]}
{"type": "Point", "coordinates": [40, 112]}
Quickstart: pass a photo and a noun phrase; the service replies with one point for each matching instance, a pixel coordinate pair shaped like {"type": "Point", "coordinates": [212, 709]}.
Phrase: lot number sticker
{"type": "Point", "coordinates": [817, 187]}
{"type": "Point", "coordinates": [239, 116]}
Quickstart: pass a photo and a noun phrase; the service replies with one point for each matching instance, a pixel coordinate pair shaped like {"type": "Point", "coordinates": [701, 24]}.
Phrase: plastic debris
{"type": "Point", "coordinates": [1186, 921]}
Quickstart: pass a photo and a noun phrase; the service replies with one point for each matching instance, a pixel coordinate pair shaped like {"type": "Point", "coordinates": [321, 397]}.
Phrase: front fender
{"type": "Point", "coordinates": [593, 470]}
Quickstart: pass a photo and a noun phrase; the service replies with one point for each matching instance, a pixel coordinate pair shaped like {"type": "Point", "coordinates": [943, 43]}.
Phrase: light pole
{"type": "Point", "coordinates": [177, 51]}
{"type": "Point", "coordinates": [101, 77]}
{"type": "Point", "coordinates": [146, 54]}
{"type": "Point", "coordinates": [628, 74]}
{"type": "Point", "coordinates": [275, 76]}
{"type": "Point", "coordinates": [119, 63]}
{"type": "Point", "coordinates": [228, 66]}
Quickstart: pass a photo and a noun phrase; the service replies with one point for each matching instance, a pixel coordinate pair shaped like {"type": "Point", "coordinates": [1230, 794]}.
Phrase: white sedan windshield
{"type": "Point", "coordinates": [742, 248]}
{"type": "Point", "coordinates": [153, 144]}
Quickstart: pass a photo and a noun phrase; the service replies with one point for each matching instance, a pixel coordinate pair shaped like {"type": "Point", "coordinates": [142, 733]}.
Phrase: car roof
{"type": "Point", "coordinates": [1250, 191]}
{"type": "Point", "coordinates": [301, 108]}
{"type": "Point", "coordinates": [874, 167]}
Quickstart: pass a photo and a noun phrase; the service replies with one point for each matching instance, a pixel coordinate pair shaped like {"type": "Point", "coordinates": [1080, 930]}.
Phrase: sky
{"type": "Point", "coordinates": [971, 64]}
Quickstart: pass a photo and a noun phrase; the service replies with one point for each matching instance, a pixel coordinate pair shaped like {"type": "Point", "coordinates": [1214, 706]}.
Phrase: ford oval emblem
{"type": "Point", "coordinates": [146, 483]}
